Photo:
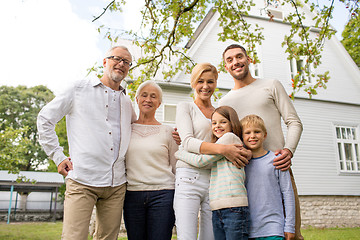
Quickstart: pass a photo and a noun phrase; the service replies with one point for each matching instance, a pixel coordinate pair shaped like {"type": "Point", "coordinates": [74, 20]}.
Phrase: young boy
{"type": "Point", "coordinates": [269, 190]}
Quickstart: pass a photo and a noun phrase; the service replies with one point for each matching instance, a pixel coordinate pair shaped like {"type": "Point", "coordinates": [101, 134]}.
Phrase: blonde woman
{"type": "Point", "coordinates": [192, 183]}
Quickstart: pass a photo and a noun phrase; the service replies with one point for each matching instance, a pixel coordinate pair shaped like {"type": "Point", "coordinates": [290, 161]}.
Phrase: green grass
{"type": "Point", "coordinates": [38, 231]}
{"type": "Point", "coordinates": [33, 231]}
{"type": "Point", "coordinates": [52, 231]}
{"type": "Point", "coordinates": [331, 233]}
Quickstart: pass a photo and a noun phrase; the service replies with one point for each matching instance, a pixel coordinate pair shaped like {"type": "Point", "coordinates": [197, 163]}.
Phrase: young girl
{"type": "Point", "coordinates": [228, 197]}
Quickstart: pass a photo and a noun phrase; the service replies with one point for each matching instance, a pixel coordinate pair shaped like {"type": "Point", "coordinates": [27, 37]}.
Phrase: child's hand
{"type": "Point", "coordinates": [236, 154]}
{"type": "Point", "coordinates": [246, 153]}
{"type": "Point", "coordinates": [289, 236]}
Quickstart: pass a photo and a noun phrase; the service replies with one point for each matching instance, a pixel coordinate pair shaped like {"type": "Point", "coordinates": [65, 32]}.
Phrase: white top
{"type": "Point", "coordinates": [150, 160]}
{"type": "Point", "coordinates": [86, 107]}
{"type": "Point", "coordinates": [193, 127]}
{"type": "Point", "coordinates": [114, 118]}
{"type": "Point", "coordinates": [269, 100]}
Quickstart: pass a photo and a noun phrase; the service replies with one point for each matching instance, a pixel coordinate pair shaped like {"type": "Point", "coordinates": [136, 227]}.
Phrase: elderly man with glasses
{"type": "Point", "coordinates": [98, 119]}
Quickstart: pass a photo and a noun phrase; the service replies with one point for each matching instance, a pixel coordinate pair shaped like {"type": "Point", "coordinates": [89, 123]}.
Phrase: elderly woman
{"type": "Point", "coordinates": [192, 183]}
{"type": "Point", "coordinates": [150, 169]}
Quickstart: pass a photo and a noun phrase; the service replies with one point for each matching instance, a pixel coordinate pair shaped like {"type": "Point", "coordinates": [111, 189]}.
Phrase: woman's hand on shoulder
{"type": "Point", "coordinates": [176, 136]}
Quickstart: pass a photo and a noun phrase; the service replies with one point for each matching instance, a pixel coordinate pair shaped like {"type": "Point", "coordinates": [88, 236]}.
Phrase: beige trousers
{"type": "Point", "coordinates": [298, 235]}
{"type": "Point", "coordinates": [79, 204]}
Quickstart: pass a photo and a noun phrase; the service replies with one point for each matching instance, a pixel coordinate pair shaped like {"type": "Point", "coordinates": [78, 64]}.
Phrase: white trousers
{"type": "Point", "coordinates": [192, 195]}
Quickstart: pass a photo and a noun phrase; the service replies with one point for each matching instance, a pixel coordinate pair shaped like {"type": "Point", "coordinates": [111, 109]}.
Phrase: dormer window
{"type": "Point", "coordinates": [255, 70]}
{"type": "Point", "coordinates": [298, 67]}
{"type": "Point", "coordinates": [254, 67]}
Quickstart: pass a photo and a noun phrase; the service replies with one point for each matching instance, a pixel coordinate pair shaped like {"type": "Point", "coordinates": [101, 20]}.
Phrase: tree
{"type": "Point", "coordinates": [13, 146]}
{"type": "Point", "coordinates": [351, 38]}
{"type": "Point", "coordinates": [166, 24]}
{"type": "Point", "coordinates": [19, 107]}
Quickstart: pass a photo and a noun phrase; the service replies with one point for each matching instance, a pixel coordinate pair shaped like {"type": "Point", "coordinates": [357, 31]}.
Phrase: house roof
{"type": "Point", "coordinates": [212, 12]}
{"type": "Point", "coordinates": [200, 28]}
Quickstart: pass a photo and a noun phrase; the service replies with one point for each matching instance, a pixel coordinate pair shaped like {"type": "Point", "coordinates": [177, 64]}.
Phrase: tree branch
{"type": "Point", "coordinates": [191, 6]}
{"type": "Point", "coordinates": [322, 38]}
{"type": "Point", "coordinates": [105, 9]}
{"type": "Point", "coordinates": [301, 24]}
{"type": "Point", "coordinates": [171, 36]}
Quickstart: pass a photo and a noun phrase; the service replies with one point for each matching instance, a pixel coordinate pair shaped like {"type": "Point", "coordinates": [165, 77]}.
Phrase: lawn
{"type": "Point", "coordinates": [35, 231]}
{"type": "Point", "coordinates": [52, 231]}
{"type": "Point", "coordinates": [331, 234]}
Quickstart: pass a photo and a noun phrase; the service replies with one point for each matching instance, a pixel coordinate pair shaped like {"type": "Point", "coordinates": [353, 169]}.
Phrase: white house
{"type": "Point", "coordinates": [326, 164]}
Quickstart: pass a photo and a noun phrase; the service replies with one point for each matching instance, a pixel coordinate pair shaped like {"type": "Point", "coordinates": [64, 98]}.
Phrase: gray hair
{"type": "Point", "coordinates": [109, 52]}
{"type": "Point", "coordinates": [151, 83]}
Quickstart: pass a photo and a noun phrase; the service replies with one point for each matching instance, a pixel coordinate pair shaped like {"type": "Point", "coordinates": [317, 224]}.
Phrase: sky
{"type": "Point", "coordinates": [54, 42]}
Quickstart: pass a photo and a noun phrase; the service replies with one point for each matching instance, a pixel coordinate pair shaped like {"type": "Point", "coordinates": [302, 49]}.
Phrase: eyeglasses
{"type": "Point", "coordinates": [119, 60]}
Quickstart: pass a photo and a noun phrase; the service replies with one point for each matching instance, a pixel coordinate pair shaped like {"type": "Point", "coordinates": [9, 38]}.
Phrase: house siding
{"type": "Point", "coordinates": [315, 164]}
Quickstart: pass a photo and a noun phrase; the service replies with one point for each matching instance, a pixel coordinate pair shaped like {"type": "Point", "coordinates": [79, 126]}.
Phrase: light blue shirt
{"type": "Point", "coordinates": [267, 188]}
{"type": "Point", "coordinates": [90, 133]}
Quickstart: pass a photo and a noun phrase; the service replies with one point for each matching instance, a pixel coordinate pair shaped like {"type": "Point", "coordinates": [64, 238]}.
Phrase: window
{"type": "Point", "coordinates": [169, 113]}
{"type": "Point", "coordinates": [255, 68]}
{"type": "Point", "coordinates": [298, 66]}
{"type": "Point", "coordinates": [348, 148]}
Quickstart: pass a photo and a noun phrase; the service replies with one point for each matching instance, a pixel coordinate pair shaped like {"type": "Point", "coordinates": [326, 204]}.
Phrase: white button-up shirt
{"type": "Point", "coordinates": [91, 145]}
{"type": "Point", "coordinates": [114, 118]}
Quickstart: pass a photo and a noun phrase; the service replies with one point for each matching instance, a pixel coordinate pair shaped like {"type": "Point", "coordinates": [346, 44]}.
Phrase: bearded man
{"type": "Point", "coordinates": [98, 120]}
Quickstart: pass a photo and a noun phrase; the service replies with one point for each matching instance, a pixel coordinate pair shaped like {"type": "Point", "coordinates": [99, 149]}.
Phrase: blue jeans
{"type": "Point", "coordinates": [231, 223]}
{"type": "Point", "coordinates": [149, 215]}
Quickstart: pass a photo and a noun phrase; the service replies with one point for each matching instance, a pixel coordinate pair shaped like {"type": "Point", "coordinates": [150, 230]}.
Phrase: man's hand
{"type": "Point", "coordinates": [176, 136]}
{"type": "Point", "coordinates": [283, 162]}
{"type": "Point", "coordinates": [237, 154]}
{"type": "Point", "coordinates": [289, 236]}
{"type": "Point", "coordinates": [65, 166]}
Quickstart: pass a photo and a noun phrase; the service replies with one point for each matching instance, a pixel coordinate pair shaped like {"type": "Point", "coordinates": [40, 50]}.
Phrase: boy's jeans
{"type": "Point", "coordinates": [231, 223]}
